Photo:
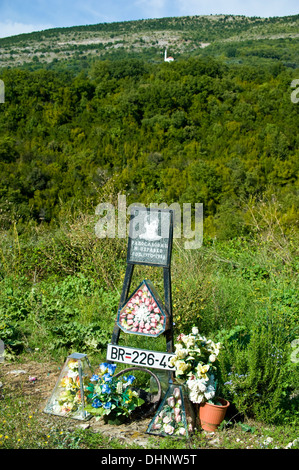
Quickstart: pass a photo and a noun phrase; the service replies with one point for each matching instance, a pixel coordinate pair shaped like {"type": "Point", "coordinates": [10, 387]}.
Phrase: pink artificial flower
{"type": "Point", "coordinates": [166, 420]}
{"type": "Point", "coordinates": [169, 429]}
{"type": "Point", "coordinates": [180, 337]}
{"type": "Point", "coordinates": [171, 402]}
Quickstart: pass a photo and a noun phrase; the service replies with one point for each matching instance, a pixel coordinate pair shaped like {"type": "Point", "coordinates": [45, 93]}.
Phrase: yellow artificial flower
{"type": "Point", "coordinates": [181, 367]}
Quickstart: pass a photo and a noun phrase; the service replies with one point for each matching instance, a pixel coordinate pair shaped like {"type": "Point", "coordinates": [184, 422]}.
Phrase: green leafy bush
{"type": "Point", "coordinates": [256, 372]}
{"type": "Point", "coordinates": [77, 337]}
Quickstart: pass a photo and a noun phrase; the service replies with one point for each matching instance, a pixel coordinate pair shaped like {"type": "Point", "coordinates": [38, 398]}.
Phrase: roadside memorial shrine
{"type": "Point", "coordinates": [144, 313]}
{"type": "Point", "coordinates": [68, 398]}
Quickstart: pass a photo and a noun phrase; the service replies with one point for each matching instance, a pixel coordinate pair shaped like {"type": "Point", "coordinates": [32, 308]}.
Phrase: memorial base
{"type": "Point", "coordinates": [175, 416]}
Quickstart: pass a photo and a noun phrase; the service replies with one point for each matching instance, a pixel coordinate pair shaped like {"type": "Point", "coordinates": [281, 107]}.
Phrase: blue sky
{"type": "Point", "coordinates": [23, 16]}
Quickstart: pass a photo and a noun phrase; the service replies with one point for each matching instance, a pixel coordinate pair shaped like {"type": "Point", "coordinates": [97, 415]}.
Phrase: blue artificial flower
{"type": "Point", "coordinates": [94, 378]}
{"type": "Point", "coordinates": [96, 403]}
{"type": "Point", "coordinates": [106, 388]}
{"type": "Point", "coordinates": [107, 377]}
{"type": "Point", "coordinates": [111, 368]}
{"type": "Point", "coordinates": [130, 379]}
{"type": "Point", "coordinates": [107, 405]}
{"type": "Point", "coordinates": [104, 366]}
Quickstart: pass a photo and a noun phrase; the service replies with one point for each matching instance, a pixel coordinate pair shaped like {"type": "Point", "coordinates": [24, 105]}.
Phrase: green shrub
{"type": "Point", "coordinates": [256, 372]}
{"type": "Point", "coordinates": [11, 336]}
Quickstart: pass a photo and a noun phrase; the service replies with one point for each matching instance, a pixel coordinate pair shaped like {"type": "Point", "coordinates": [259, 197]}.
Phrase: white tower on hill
{"type": "Point", "coordinates": [167, 59]}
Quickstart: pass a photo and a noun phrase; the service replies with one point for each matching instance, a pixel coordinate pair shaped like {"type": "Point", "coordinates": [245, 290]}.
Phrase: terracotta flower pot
{"type": "Point", "coordinates": [211, 416]}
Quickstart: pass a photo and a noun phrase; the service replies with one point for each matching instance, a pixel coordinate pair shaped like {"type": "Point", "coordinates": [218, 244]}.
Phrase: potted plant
{"type": "Point", "coordinates": [111, 397]}
{"type": "Point", "coordinates": [195, 363]}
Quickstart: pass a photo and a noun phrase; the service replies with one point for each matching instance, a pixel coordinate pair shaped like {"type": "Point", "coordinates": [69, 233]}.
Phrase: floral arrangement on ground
{"type": "Point", "coordinates": [172, 418]}
{"type": "Point", "coordinates": [111, 396]}
{"type": "Point", "coordinates": [194, 364]}
{"type": "Point", "coordinates": [67, 398]}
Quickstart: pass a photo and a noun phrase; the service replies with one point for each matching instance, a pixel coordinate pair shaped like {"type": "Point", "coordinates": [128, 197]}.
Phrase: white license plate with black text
{"type": "Point", "coordinates": [139, 357]}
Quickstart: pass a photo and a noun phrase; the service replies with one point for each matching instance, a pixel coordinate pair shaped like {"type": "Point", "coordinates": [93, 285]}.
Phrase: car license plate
{"type": "Point", "coordinates": [139, 357]}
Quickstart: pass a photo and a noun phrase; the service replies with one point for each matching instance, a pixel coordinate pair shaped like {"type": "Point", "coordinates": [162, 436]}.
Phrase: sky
{"type": "Point", "coordinates": [25, 16]}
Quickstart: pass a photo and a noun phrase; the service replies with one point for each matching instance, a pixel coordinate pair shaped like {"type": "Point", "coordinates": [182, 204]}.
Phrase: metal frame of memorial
{"type": "Point", "coordinates": [163, 262]}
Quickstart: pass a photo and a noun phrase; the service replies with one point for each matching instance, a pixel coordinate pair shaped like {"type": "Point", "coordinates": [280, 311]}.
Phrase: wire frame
{"type": "Point", "coordinates": [175, 415]}
{"type": "Point", "coordinates": [68, 396]}
{"type": "Point", "coordinates": [144, 312]}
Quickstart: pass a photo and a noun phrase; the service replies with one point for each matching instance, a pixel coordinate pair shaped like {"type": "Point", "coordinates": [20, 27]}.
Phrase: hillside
{"type": "Point", "coordinates": [230, 36]}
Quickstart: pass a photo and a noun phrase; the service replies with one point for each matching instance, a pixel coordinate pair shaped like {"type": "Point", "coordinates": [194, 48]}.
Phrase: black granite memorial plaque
{"type": "Point", "coordinates": [150, 236]}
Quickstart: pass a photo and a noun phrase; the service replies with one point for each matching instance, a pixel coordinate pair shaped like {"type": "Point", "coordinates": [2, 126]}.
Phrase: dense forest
{"type": "Point", "coordinates": [195, 130]}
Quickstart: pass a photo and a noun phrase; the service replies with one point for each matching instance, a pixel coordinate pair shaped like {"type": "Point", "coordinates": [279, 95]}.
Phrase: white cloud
{"type": "Point", "coordinates": [12, 28]}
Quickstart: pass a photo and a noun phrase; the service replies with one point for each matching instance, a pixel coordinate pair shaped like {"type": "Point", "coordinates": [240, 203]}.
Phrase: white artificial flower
{"type": "Point", "coordinates": [209, 395]}
{"type": "Point", "coordinates": [73, 364]}
{"type": "Point", "coordinates": [182, 353]}
{"type": "Point", "coordinates": [212, 358]}
{"type": "Point", "coordinates": [189, 341]}
{"type": "Point", "coordinates": [73, 374]}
